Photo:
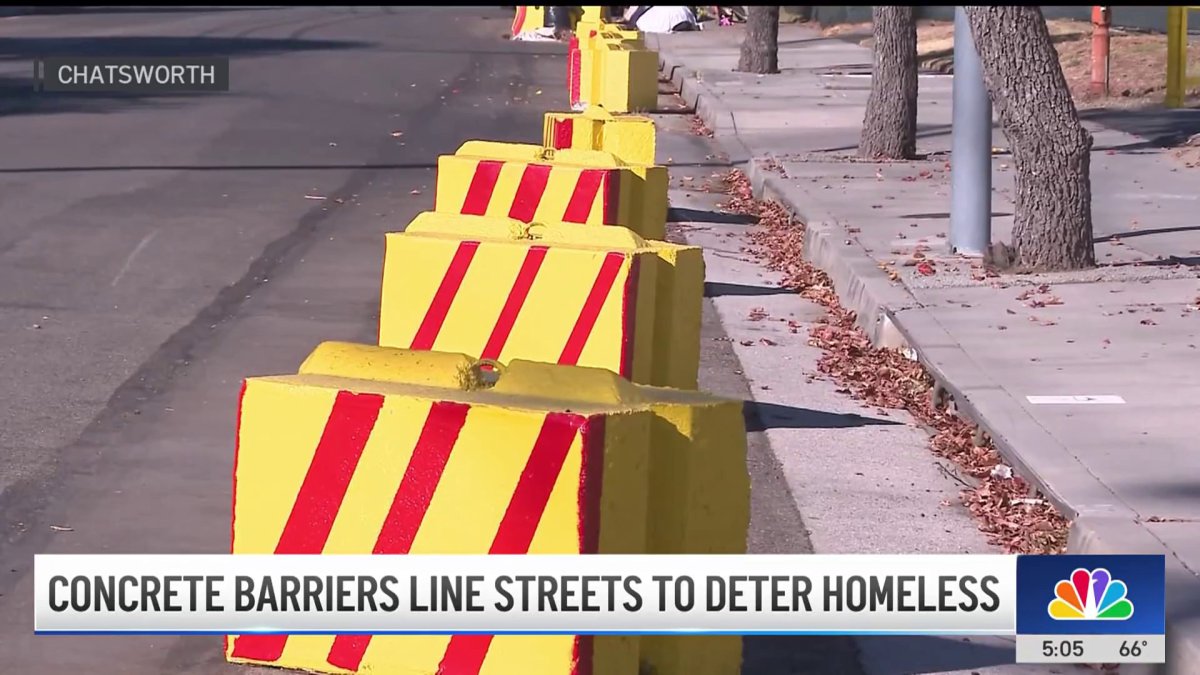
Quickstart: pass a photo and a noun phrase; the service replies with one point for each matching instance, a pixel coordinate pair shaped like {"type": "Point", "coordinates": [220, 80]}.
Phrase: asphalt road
{"type": "Point", "coordinates": [154, 251]}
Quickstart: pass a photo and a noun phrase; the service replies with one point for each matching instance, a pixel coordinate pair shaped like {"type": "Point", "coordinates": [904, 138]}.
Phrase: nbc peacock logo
{"type": "Point", "coordinates": [1090, 596]}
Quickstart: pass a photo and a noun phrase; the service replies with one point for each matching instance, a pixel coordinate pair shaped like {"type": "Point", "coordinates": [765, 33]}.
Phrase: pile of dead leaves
{"type": "Point", "coordinates": [1008, 509]}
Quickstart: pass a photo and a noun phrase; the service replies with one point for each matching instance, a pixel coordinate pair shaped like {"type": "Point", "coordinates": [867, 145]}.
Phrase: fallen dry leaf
{"type": "Point", "coordinates": [888, 379]}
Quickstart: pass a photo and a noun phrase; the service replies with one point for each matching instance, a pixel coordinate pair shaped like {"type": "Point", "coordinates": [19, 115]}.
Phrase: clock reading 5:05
{"type": "Point", "coordinates": [1062, 648]}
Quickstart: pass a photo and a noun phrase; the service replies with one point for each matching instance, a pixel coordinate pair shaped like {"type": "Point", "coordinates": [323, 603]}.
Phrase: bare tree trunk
{"type": "Point", "coordinates": [890, 125]}
{"type": "Point", "coordinates": [1053, 221]}
{"type": "Point", "coordinates": [760, 48]}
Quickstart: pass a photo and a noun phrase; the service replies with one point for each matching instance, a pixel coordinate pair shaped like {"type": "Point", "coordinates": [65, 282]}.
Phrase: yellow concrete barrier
{"type": "Point", "coordinates": [499, 289]}
{"type": "Point", "coordinates": [403, 461]}
{"type": "Point", "coordinates": [625, 78]}
{"type": "Point", "coordinates": [583, 76]}
{"type": "Point", "coordinates": [630, 138]}
{"type": "Point", "coordinates": [531, 183]}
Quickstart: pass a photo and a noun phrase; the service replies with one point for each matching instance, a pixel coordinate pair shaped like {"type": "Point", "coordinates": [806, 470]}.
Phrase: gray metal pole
{"type": "Point", "coordinates": [971, 149]}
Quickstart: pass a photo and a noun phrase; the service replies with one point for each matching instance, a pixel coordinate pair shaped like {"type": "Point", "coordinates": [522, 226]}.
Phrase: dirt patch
{"type": "Point", "coordinates": [1007, 508]}
{"type": "Point", "coordinates": [1137, 63]}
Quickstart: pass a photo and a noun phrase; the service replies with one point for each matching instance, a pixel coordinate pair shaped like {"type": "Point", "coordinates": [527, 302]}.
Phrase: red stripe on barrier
{"type": "Point", "coordinates": [591, 480]}
{"type": "Point", "coordinates": [529, 192]}
{"type": "Point", "coordinates": [591, 483]}
{"type": "Point", "coordinates": [584, 195]}
{"type": "Point", "coordinates": [629, 317]}
{"type": "Point", "coordinates": [564, 133]}
{"type": "Point", "coordinates": [591, 308]}
{"type": "Point", "coordinates": [465, 653]}
{"type": "Point", "coordinates": [237, 451]}
{"type": "Point", "coordinates": [431, 325]}
{"type": "Point", "coordinates": [574, 72]}
{"type": "Point", "coordinates": [483, 183]}
{"type": "Point", "coordinates": [320, 497]}
{"type": "Point", "coordinates": [612, 198]}
{"type": "Point", "coordinates": [516, 300]}
{"type": "Point", "coordinates": [582, 651]}
{"type": "Point", "coordinates": [518, 20]}
{"type": "Point", "coordinates": [413, 496]}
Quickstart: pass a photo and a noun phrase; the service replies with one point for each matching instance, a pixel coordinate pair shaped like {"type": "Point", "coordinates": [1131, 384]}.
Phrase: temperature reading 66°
{"type": "Point", "coordinates": [1132, 647]}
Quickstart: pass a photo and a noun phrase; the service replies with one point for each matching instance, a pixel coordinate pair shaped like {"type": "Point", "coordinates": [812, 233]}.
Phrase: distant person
{"type": "Point", "coordinates": [560, 17]}
{"type": "Point", "coordinates": [660, 19]}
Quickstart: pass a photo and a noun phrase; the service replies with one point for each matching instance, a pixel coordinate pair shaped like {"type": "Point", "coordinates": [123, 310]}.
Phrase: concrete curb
{"type": "Point", "coordinates": [892, 316]}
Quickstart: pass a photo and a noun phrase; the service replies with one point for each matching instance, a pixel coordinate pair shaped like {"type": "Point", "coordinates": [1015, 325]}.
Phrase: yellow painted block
{"type": "Point", "coordinates": [699, 497]}
{"type": "Point", "coordinates": [499, 289]}
{"type": "Point", "coordinates": [581, 78]}
{"type": "Point", "coordinates": [535, 184]}
{"type": "Point", "coordinates": [397, 464]}
{"type": "Point", "coordinates": [641, 199]}
{"type": "Point", "coordinates": [328, 464]}
{"type": "Point", "coordinates": [631, 138]}
{"type": "Point", "coordinates": [626, 78]}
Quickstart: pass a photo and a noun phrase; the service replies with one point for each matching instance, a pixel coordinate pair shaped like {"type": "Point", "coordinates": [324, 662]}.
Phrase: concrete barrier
{"type": "Point", "coordinates": [630, 138]}
{"type": "Point", "coordinates": [500, 289]}
{"type": "Point", "coordinates": [611, 67]}
{"type": "Point", "coordinates": [626, 77]}
{"type": "Point", "coordinates": [366, 451]}
{"type": "Point", "coordinates": [531, 183]}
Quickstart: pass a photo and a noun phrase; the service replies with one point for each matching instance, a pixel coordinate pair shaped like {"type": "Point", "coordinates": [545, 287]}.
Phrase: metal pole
{"type": "Point", "coordinates": [971, 149]}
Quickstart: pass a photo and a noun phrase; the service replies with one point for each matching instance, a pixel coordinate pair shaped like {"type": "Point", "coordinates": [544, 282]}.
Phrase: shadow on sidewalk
{"type": "Point", "coordinates": [717, 289]}
{"type": "Point", "coordinates": [685, 215]}
{"type": "Point", "coordinates": [1161, 127]}
{"type": "Point", "coordinates": [900, 655]}
{"type": "Point", "coordinates": [762, 416]}
{"type": "Point", "coordinates": [1142, 233]}
{"type": "Point", "coordinates": [795, 654]}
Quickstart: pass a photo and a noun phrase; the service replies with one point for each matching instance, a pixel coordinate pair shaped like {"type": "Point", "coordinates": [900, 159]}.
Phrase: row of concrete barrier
{"type": "Point", "coordinates": [611, 67]}
{"type": "Point", "coordinates": [534, 390]}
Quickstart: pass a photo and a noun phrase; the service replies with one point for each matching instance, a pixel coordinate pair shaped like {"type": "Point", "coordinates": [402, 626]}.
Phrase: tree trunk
{"type": "Point", "coordinates": [890, 125]}
{"type": "Point", "coordinates": [760, 48]}
{"type": "Point", "coordinates": [1052, 227]}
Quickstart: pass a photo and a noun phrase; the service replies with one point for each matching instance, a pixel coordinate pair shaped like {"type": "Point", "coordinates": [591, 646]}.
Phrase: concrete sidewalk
{"type": "Point", "coordinates": [1127, 472]}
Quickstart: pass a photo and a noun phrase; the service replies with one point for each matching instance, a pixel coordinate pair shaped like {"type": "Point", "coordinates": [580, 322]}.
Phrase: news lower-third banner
{"type": "Point", "coordinates": [137, 75]}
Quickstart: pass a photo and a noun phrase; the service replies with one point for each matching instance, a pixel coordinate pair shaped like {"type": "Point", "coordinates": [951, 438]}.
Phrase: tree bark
{"type": "Point", "coordinates": [1052, 228]}
{"type": "Point", "coordinates": [760, 48]}
{"type": "Point", "coordinates": [890, 126]}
